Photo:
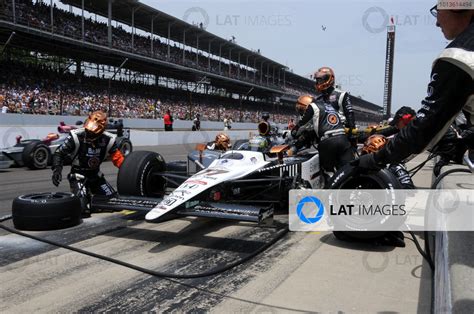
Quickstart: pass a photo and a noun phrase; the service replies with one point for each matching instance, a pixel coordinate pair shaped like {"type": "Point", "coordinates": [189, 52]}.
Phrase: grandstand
{"type": "Point", "coordinates": [145, 63]}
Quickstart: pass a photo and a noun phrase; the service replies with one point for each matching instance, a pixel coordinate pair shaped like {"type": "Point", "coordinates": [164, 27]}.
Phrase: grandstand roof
{"type": "Point", "coordinates": [122, 11]}
{"type": "Point", "coordinates": [365, 104]}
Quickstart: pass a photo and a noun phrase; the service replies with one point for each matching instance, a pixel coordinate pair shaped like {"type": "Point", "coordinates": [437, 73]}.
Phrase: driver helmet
{"type": "Point", "coordinates": [258, 143]}
{"type": "Point", "coordinates": [374, 143]}
{"type": "Point", "coordinates": [264, 128]}
{"type": "Point", "coordinates": [222, 142]}
{"type": "Point", "coordinates": [302, 103]}
{"type": "Point", "coordinates": [325, 79]}
{"type": "Point", "coordinates": [95, 124]}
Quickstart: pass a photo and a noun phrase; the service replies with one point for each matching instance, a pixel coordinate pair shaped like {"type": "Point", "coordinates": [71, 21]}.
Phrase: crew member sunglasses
{"type": "Point", "coordinates": [434, 11]}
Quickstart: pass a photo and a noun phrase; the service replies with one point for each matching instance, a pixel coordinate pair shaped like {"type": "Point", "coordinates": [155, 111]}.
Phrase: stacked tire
{"type": "Point", "coordinates": [46, 211]}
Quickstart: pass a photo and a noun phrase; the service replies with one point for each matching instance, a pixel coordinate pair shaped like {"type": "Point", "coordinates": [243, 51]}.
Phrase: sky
{"type": "Point", "coordinates": [353, 42]}
{"type": "Point", "coordinates": [347, 35]}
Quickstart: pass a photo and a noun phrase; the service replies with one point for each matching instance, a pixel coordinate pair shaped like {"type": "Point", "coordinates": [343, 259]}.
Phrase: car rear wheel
{"type": "Point", "coordinates": [46, 211]}
{"type": "Point", "coordinates": [36, 155]}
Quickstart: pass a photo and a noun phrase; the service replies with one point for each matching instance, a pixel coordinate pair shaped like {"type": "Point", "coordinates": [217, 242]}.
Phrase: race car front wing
{"type": "Point", "coordinates": [239, 212]}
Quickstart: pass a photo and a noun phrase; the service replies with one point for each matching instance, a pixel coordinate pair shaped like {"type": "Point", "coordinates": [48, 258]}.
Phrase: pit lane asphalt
{"type": "Point", "coordinates": [37, 276]}
{"type": "Point", "coordinates": [40, 278]}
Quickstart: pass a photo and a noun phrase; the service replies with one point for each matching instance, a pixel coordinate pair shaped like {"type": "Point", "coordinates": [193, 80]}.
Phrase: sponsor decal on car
{"type": "Point", "coordinates": [199, 182]}
{"type": "Point", "coordinates": [213, 172]}
{"type": "Point", "coordinates": [169, 201]}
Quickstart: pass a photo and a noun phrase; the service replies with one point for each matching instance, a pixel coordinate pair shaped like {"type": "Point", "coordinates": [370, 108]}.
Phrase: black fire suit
{"type": "Point", "coordinates": [341, 101]}
{"type": "Point", "coordinates": [450, 91]}
{"type": "Point", "coordinates": [86, 159]}
{"type": "Point", "coordinates": [334, 147]}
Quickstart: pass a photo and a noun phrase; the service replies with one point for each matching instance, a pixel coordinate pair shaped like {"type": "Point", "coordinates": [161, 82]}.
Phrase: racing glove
{"type": "Point", "coordinates": [57, 175]}
{"type": "Point", "coordinates": [294, 131]}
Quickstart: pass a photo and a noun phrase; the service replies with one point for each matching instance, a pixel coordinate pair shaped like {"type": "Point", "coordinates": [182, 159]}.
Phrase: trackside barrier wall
{"type": "Point", "coordinates": [139, 138]}
{"type": "Point", "coordinates": [454, 259]}
{"type": "Point", "coordinates": [47, 120]}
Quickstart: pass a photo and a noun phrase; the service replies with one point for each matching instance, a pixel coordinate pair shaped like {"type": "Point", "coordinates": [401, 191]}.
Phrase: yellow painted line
{"type": "Point", "coordinates": [127, 212]}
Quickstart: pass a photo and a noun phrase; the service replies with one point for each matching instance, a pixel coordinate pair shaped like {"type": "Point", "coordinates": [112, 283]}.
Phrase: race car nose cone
{"type": "Point", "coordinates": [152, 215]}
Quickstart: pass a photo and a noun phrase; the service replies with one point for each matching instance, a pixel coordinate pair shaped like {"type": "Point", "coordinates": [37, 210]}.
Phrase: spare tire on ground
{"type": "Point", "coordinates": [36, 155]}
{"type": "Point", "coordinates": [138, 175]}
{"type": "Point", "coordinates": [46, 211]}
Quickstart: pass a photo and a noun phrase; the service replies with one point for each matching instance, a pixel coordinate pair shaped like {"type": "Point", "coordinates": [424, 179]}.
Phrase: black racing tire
{"type": "Point", "coordinates": [136, 175]}
{"type": "Point", "coordinates": [180, 166]}
{"type": "Point", "coordinates": [240, 145]}
{"type": "Point", "coordinates": [46, 211]}
{"type": "Point", "coordinates": [36, 155]}
{"type": "Point", "coordinates": [125, 146]}
{"type": "Point", "coordinates": [382, 179]}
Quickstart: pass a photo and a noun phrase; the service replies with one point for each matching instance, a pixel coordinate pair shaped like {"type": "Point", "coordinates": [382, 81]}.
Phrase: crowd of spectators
{"type": "Point", "coordinates": [41, 90]}
{"type": "Point", "coordinates": [38, 89]}
{"type": "Point", "coordinates": [37, 14]}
